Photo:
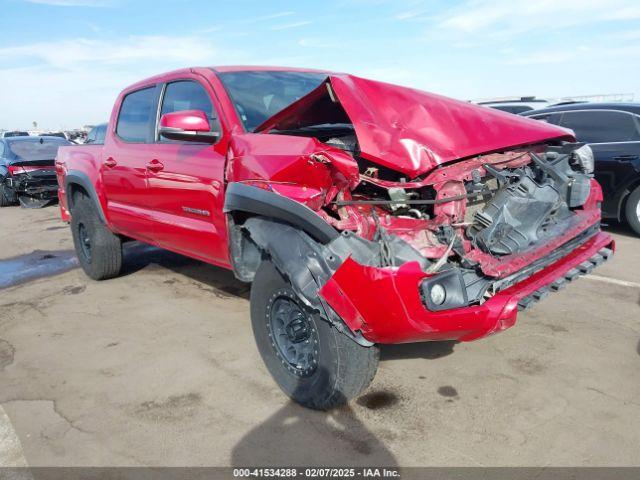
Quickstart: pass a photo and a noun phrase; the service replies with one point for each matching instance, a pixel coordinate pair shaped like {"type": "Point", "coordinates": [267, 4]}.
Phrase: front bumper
{"type": "Point", "coordinates": [385, 305]}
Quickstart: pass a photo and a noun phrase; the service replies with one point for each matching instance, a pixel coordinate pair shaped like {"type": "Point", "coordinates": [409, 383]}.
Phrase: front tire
{"type": "Point", "coordinates": [632, 211]}
{"type": "Point", "coordinates": [311, 361]}
{"type": "Point", "coordinates": [99, 251]}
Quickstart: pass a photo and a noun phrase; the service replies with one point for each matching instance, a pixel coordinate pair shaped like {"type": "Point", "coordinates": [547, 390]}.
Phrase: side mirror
{"type": "Point", "coordinates": [187, 126]}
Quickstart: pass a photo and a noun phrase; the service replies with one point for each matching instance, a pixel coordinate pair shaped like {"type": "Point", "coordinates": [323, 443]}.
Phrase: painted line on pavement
{"type": "Point", "coordinates": [613, 281]}
{"type": "Point", "coordinates": [11, 453]}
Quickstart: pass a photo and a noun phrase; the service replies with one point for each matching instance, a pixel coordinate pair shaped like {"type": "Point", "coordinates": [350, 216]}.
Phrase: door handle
{"type": "Point", "coordinates": [154, 166]}
{"type": "Point", "coordinates": [625, 158]}
{"type": "Point", "coordinates": [110, 162]}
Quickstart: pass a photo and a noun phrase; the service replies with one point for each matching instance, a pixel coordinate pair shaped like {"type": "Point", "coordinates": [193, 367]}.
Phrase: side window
{"type": "Point", "coordinates": [137, 114]}
{"type": "Point", "coordinates": [595, 126]}
{"type": "Point", "coordinates": [189, 95]}
{"type": "Point", "coordinates": [101, 133]}
{"type": "Point", "coordinates": [513, 108]}
{"type": "Point", "coordinates": [520, 109]}
{"type": "Point", "coordinates": [553, 118]}
{"type": "Point", "coordinates": [1, 149]}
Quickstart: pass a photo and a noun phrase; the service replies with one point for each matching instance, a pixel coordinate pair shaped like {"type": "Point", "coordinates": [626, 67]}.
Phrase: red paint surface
{"type": "Point", "coordinates": [385, 303]}
{"type": "Point", "coordinates": [191, 120]}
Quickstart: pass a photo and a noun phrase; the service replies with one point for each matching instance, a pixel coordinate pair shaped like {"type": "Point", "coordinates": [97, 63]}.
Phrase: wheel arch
{"type": "Point", "coordinates": [79, 181]}
{"type": "Point", "coordinates": [242, 198]}
{"type": "Point", "coordinates": [628, 190]}
{"type": "Point", "coordinates": [303, 261]}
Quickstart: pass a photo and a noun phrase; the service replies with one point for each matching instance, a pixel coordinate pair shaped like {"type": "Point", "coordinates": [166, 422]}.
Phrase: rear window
{"type": "Point", "coordinates": [16, 134]}
{"type": "Point", "coordinates": [42, 149]}
{"type": "Point", "coordinates": [137, 114]}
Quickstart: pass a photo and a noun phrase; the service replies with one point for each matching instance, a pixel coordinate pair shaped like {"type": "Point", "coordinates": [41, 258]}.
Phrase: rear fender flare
{"type": "Point", "coordinates": [81, 179]}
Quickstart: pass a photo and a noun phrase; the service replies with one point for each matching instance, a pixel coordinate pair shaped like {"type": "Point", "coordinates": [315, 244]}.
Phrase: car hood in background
{"type": "Point", "coordinates": [409, 130]}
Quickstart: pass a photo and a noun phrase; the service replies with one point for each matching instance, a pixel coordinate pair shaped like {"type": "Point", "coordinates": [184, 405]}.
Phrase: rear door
{"type": "Point", "coordinates": [186, 189]}
{"type": "Point", "coordinates": [126, 156]}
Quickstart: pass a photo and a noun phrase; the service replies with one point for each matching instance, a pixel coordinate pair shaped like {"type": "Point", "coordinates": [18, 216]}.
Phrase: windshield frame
{"type": "Point", "coordinates": [320, 75]}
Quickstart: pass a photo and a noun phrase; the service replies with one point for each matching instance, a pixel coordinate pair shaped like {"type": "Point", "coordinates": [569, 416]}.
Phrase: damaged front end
{"type": "Point", "coordinates": [428, 248]}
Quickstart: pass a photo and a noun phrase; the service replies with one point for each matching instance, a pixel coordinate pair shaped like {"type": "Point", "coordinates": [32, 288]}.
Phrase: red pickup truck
{"type": "Point", "coordinates": [362, 212]}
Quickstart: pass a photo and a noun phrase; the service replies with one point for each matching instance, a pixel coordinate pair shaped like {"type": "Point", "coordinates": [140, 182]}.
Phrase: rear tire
{"type": "Point", "coordinates": [331, 371]}
{"type": "Point", "coordinates": [5, 196]}
{"type": "Point", "coordinates": [632, 211]}
{"type": "Point", "coordinates": [98, 249]}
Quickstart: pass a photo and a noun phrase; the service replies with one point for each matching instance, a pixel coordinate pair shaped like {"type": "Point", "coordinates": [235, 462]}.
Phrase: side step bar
{"type": "Point", "coordinates": [583, 269]}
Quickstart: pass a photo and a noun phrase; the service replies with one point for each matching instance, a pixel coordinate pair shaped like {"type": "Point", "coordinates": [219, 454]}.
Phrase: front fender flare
{"type": "Point", "coordinates": [245, 198]}
{"type": "Point", "coordinates": [305, 263]}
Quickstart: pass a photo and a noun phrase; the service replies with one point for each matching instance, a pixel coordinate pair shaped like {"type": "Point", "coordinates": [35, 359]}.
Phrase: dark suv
{"type": "Point", "coordinates": [613, 132]}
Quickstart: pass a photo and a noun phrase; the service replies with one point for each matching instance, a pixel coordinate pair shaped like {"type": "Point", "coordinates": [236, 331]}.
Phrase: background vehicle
{"type": "Point", "coordinates": [27, 173]}
{"type": "Point", "coordinates": [97, 134]}
{"type": "Point", "coordinates": [514, 104]}
{"type": "Point", "coordinates": [13, 134]}
{"type": "Point", "coordinates": [355, 223]}
{"type": "Point", "coordinates": [55, 134]}
{"type": "Point", "coordinates": [612, 130]}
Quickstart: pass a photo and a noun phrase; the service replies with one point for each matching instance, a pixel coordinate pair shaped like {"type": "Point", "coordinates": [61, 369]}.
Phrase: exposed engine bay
{"type": "Point", "coordinates": [500, 204]}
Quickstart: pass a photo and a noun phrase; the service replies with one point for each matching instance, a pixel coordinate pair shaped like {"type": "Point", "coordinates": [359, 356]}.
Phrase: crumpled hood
{"type": "Point", "coordinates": [409, 130]}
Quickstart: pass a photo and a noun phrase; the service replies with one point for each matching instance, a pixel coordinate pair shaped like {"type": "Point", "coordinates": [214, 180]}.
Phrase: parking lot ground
{"type": "Point", "coordinates": [159, 368]}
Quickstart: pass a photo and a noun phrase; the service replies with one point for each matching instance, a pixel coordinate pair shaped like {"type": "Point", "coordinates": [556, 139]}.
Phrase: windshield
{"type": "Point", "coordinates": [258, 95]}
{"type": "Point", "coordinates": [38, 149]}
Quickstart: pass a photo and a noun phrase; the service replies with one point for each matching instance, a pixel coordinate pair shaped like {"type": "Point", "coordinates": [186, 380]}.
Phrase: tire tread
{"type": "Point", "coordinates": [5, 201]}
{"type": "Point", "coordinates": [106, 255]}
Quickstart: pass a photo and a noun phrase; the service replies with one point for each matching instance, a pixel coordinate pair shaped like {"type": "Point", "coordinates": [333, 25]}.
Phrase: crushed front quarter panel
{"type": "Point", "coordinates": [409, 130]}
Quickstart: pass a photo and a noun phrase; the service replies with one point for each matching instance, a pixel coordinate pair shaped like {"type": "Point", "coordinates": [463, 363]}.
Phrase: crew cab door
{"type": "Point", "coordinates": [186, 189]}
{"type": "Point", "coordinates": [126, 156]}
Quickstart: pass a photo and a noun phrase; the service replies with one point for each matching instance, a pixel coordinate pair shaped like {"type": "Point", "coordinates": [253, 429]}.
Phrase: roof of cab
{"type": "Point", "coordinates": [264, 68]}
{"type": "Point", "coordinates": [220, 69]}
